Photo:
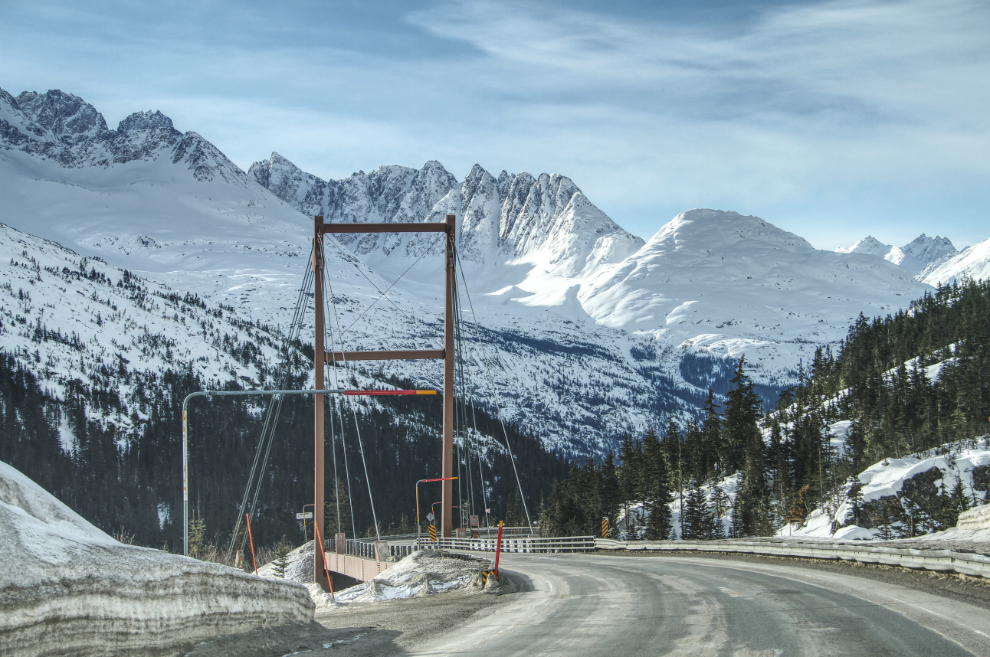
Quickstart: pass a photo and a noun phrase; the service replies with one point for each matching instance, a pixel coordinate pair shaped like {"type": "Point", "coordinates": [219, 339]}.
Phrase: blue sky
{"type": "Point", "coordinates": [829, 119]}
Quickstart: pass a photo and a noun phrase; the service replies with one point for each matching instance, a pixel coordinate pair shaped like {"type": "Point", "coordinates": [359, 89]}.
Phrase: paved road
{"type": "Point", "coordinates": [607, 605]}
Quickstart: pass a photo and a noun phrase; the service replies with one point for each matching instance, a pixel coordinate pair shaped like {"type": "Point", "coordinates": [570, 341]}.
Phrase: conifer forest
{"type": "Point", "coordinates": [908, 382]}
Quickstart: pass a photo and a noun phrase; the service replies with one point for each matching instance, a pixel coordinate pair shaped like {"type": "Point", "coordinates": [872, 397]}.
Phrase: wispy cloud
{"type": "Point", "coordinates": [822, 117]}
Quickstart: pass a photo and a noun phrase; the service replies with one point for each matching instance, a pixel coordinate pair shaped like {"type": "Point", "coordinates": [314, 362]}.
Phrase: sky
{"type": "Point", "coordinates": [831, 119]}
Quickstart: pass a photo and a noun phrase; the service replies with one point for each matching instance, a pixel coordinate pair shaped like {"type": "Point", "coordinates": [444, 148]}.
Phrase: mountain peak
{"type": "Point", "coordinates": [707, 229]}
{"type": "Point", "coordinates": [69, 118]}
{"type": "Point", "coordinates": [869, 245]}
{"type": "Point", "coordinates": [150, 120]}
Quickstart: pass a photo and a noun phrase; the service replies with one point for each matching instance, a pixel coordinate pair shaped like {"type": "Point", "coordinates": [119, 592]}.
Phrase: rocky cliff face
{"type": "Point", "coordinates": [64, 128]}
{"type": "Point", "coordinates": [544, 219]}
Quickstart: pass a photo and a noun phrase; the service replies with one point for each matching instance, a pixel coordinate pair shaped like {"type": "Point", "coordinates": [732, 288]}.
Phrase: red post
{"type": "Point", "coordinates": [498, 547]}
{"type": "Point", "coordinates": [248, 516]}
{"type": "Point", "coordinates": [319, 541]}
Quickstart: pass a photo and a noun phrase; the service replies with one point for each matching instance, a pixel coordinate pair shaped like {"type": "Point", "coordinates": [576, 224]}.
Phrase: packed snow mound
{"type": "Point", "coordinates": [978, 518]}
{"type": "Point", "coordinates": [65, 583]}
{"type": "Point", "coordinates": [424, 572]}
{"type": "Point", "coordinates": [298, 565]}
{"type": "Point", "coordinates": [972, 263]}
{"type": "Point", "coordinates": [887, 498]}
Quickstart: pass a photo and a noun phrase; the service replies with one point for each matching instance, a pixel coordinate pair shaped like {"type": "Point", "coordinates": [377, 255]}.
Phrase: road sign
{"type": "Point", "coordinates": [433, 533]}
{"type": "Point", "coordinates": [304, 516]}
{"type": "Point", "coordinates": [604, 527]}
{"type": "Point", "coordinates": [430, 516]}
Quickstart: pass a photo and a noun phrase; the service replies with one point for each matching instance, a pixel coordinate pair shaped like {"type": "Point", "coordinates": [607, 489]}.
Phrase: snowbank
{"type": "Point", "coordinates": [975, 519]}
{"type": "Point", "coordinates": [68, 588]}
{"type": "Point", "coordinates": [421, 573]}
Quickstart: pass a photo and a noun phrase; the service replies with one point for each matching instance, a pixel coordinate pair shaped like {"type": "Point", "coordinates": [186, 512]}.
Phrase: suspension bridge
{"type": "Point", "coordinates": [333, 362]}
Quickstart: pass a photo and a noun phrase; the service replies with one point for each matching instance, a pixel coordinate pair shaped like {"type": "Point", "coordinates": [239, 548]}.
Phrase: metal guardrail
{"type": "Point", "coordinates": [514, 544]}
{"type": "Point", "coordinates": [365, 548]}
{"type": "Point", "coordinates": [976, 565]}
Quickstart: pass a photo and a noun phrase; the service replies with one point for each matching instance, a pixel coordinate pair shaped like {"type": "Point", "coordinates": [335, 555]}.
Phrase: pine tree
{"type": "Point", "coordinates": [611, 490]}
{"type": "Point", "coordinates": [695, 514]}
{"type": "Point", "coordinates": [197, 534]}
{"type": "Point", "coordinates": [659, 523]}
{"type": "Point", "coordinates": [720, 506]}
{"type": "Point", "coordinates": [281, 557]}
{"type": "Point", "coordinates": [742, 412]}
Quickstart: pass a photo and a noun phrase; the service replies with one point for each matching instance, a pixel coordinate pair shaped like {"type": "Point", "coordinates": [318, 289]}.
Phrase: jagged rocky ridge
{"type": "Point", "coordinates": [917, 256]}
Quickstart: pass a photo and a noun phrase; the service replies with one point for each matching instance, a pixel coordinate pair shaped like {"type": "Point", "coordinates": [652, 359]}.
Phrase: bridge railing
{"type": "Point", "coordinates": [513, 544]}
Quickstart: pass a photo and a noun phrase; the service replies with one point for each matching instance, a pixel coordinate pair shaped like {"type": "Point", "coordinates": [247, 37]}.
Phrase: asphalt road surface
{"type": "Point", "coordinates": [606, 605]}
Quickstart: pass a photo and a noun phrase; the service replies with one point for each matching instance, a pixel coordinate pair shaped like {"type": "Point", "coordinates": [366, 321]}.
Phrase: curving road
{"type": "Point", "coordinates": [607, 605]}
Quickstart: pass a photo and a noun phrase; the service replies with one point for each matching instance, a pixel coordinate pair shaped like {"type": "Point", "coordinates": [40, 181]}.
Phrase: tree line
{"type": "Point", "coordinates": [912, 381]}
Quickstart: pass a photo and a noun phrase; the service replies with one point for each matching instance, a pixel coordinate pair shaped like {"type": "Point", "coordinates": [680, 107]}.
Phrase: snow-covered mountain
{"type": "Point", "coordinates": [597, 332]}
{"type": "Point", "coordinates": [971, 263]}
{"type": "Point", "coordinates": [735, 284]}
{"type": "Point", "coordinates": [916, 256]}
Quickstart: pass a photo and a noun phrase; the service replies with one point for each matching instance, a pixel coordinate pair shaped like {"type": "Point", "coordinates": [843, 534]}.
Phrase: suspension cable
{"type": "Point", "coordinates": [353, 260]}
{"type": "Point", "coordinates": [491, 381]}
{"type": "Point", "coordinates": [337, 407]}
{"type": "Point", "coordinates": [274, 407]}
{"type": "Point", "coordinates": [382, 295]}
{"type": "Point", "coordinates": [357, 428]}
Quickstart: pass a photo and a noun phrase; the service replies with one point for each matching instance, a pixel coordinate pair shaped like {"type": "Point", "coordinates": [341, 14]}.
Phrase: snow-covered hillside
{"type": "Point", "coordinates": [734, 284]}
{"type": "Point", "coordinates": [895, 497]}
{"type": "Point", "coordinates": [972, 263]}
{"type": "Point", "coordinates": [66, 583]}
{"type": "Point", "coordinates": [916, 256]}
{"type": "Point", "coordinates": [69, 318]}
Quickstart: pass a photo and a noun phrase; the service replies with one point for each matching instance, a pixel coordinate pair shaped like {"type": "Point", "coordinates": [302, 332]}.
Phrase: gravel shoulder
{"type": "Point", "coordinates": [971, 590]}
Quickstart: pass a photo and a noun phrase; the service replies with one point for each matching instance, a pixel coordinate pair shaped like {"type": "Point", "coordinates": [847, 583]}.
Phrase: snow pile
{"type": "Point", "coordinates": [66, 583]}
{"type": "Point", "coordinates": [880, 503]}
{"type": "Point", "coordinates": [298, 565]}
{"type": "Point", "coordinates": [421, 573]}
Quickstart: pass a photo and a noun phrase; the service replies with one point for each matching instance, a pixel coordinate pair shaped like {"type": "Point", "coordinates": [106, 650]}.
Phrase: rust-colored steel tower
{"type": "Point", "coordinates": [322, 356]}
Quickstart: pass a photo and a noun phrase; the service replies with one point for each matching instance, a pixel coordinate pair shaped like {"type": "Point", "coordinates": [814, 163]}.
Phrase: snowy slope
{"type": "Point", "coordinates": [733, 284]}
{"type": "Point", "coordinates": [67, 317]}
{"type": "Point", "coordinates": [972, 263]}
{"type": "Point", "coordinates": [915, 256]}
{"type": "Point", "coordinates": [145, 197]}
{"type": "Point", "coordinates": [893, 484]}
{"type": "Point", "coordinates": [66, 583]}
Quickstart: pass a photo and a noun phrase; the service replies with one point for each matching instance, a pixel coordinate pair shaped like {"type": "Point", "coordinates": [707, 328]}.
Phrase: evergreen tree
{"type": "Point", "coordinates": [695, 514]}
{"type": "Point", "coordinates": [720, 506]}
{"type": "Point", "coordinates": [659, 523]}
{"type": "Point", "coordinates": [281, 557]}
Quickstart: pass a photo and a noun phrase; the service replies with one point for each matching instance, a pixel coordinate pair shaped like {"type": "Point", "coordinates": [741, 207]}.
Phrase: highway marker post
{"type": "Point", "coordinates": [248, 516]}
{"type": "Point", "coordinates": [319, 541]}
{"type": "Point", "coordinates": [498, 548]}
